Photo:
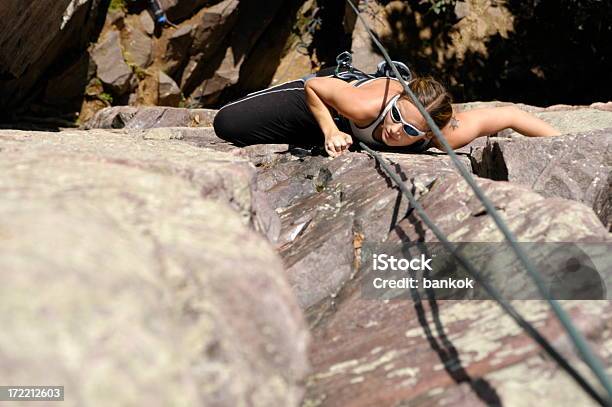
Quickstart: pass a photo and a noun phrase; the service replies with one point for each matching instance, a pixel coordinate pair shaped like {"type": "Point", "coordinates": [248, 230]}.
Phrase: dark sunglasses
{"type": "Point", "coordinates": [409, 129]}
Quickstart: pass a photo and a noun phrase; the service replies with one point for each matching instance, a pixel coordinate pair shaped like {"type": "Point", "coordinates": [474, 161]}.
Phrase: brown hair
{"type": "Point", "coordinates": [434, 97]}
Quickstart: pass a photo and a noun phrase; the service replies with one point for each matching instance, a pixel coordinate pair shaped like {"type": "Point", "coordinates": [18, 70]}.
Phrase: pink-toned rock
{"type": "Point", "coordinates": [429, 352]}
{"type": "Point", "coordinates": [169, 92]}
{"type": "Point", "coordinates": [602, 106]}
{"type": "Point", "coordinates": [137, 45]}
{"type": "Point", "coordinates": [574, 166]}
{"type": "Point", "coordinates": [150, 117]}
{"type": "Point", "coordinates": [324, 206]}
{"type": "Point", "coordinates": [150, 281]}
{"type": "Point", "coordinates": [111, 67]}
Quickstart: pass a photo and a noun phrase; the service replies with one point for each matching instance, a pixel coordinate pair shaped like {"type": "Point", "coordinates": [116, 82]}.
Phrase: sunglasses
{"type": "Point", "coordinates": [409, 129]}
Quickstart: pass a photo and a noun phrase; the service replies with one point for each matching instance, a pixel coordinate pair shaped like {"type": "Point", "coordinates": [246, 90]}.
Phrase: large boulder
{"type": "Point", "coordinates": [574, 166]}
{"type": "Point", "coordinates": [169, 92]}
{"type": "Point", "coordinates": [137, 46]}
{"type": "Point", "coordinates": [111, 67]}
{"type": "Point", "coordinates": [233, 50]}
{"type": "Point", "coordinates": [39, 35]}
{"type": "Point", "coordinates": [180, 9]}
{"type": "Point", "coordinates": [425, 351]}
{"type": "Point", "coordinates": [119, 117]}
{"type": "Point", "coordinates": [328, 207]}
{"type": "Point", "coordinates": [123, 281]}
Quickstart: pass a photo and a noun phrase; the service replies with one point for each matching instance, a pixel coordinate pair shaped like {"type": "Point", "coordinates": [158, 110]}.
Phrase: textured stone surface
{"type": "Point", "coordinates": [177, 48]}
{"type": "Point", "coordinates": [125, 267]}
{"type": "Point", "coordinates": [212, 25]}
{"type": "Point", "coordinates": [326, 206]}
{"type": "Point", "coordinates": [576, 166]}
{"type": "Point", "coordinates": [36, 35]}
{"type": "Point", "coordinates": [169, 92]}
{"type": "Point", "coordinates": [324, 216]}
{"type": "Point", "coordinates": [430, 353]}
{"type": "Point", "coordinates": [137, 45]}
{"type": "Point", "coordinates": [179, 9]}
{"type": "Point", "coordinates": [112, 69]}
{"type": "Point", "coordinates": [427, 352]}
{"type": "Point", "coordinates": [253, 19]}
{"type": "Point", "coordinates": [150, 117]}
{"type": "Point", "coordinates": [445, 353]}
{"type": "Point", "coordinates": [146, 22]}
{"type": "Point", "coordinates": [575, 121]}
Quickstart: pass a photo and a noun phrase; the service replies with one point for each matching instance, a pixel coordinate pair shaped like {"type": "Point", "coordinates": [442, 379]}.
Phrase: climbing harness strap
{"type": "Point", "coordinates": [346, 71]}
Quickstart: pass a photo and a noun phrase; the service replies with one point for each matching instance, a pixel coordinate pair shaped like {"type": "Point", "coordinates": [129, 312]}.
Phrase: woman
{"type": "Point", "coordinates": [323, 110]}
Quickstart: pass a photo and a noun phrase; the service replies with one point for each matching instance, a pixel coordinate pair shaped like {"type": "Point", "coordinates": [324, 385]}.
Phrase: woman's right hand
{"type": "Point", "coordinates": [337, 143]}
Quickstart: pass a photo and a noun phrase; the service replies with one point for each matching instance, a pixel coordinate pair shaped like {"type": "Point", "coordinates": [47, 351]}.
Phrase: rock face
{"type": "Point", "coordinates": [150, 117]}
{"type": "Point", "coordinates": [169, 92]}
{"type": "Point", "coordinates": [178, 209]}
{"type": "Point", "coordinates": [112, 69]}
{"type": "Point", "coordinates": [438, 353]}
{"type": "Point", "coordinates": [203, 60]}
{"type": "Point", "coordinates": [576, 166]}
{"type": "Point", "coordinates": [137, 44]}
{"type": "Point", "coordinates": [326, 208]}
{"type": "Point", "coordinates": [202, 56]}
{"type": "Point", "coordinates": [147, 279]}
{"type": "Point", "coordinates": [422, 351]}
{"type": "Point", "coordinates": [37, 35]}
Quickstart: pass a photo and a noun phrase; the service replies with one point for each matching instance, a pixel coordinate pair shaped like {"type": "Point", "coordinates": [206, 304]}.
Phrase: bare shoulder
{"type": "Point", "coordinates": [376, 94]}
{"type": "Point", "coordinates": [462, 128]}
{"type": "Point", "coordinates": [380, 88]}
{"type": "Point", "coordinates": [361, 104]}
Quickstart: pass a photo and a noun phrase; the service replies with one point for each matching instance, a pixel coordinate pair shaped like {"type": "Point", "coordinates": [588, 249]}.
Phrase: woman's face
{"type": "Point", "coordinates": [393, 133]}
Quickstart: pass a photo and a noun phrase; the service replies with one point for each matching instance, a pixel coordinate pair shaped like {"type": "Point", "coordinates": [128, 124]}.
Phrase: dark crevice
{"type": "Point", "coordinates": [491, 164]}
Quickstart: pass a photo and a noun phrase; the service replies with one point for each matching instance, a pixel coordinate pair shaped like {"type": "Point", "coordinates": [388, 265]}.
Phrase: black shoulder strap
{"type": "Point", "coordinates": [345, 69]}
{"type": "Point", "coordinates": [347, 72]}
{"type": "Point", "coordinates": [384, 69]}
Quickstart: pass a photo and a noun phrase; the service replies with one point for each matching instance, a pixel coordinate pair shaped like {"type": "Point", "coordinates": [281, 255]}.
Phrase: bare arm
{"type": "Point", "coordinates": [323, 93]}
{"type": "Point", "coordinates": [347, 100]}
{"type": "Point", "coordinates": [466, 126]}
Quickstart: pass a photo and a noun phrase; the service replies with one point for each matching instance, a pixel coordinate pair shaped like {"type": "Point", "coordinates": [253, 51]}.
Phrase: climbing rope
{"type": "Point", "coordinates": [576, 337]}
{"type": "Point", "coordinates": [507, 307]}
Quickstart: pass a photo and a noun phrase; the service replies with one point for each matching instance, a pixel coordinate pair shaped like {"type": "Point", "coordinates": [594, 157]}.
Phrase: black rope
{"type": "Point", "coordinates": [577, 339]}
